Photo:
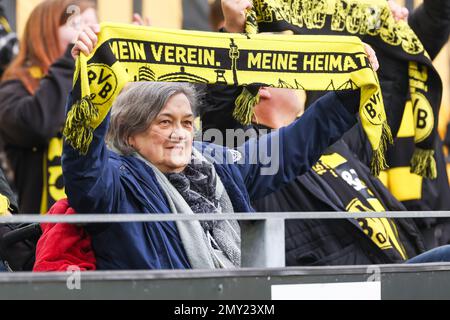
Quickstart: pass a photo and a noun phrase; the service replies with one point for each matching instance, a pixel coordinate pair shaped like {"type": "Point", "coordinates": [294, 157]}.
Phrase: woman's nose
{"type": "Point", "coordinates": [178, 134]}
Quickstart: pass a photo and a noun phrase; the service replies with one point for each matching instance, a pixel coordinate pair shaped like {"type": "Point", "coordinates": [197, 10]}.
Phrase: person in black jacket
{"type": "Point", "coordinates": [338, 182]}
{"type": "Point", "coordinates": [431, 22]}
{"type": "Point", "coordinates": [9, 47]}
{"type": "Point", "coordinates": [32, 101]}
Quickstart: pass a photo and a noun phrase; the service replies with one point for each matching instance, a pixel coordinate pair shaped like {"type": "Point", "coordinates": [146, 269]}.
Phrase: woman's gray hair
{"type": "Point", "coordinates": [137, 106]}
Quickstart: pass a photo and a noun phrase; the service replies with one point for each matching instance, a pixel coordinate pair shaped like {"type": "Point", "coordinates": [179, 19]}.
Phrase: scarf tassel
{"type": "Point", "coordinates": [423, 163]}
{"type": "Point", "coordinates": [251, 27]}
{"type": "Point", "coordinates": [378, 162]}
{"type": "Point", "coordinates": [78, 130]}
{"type": "Point", "coordinates": [245, 104]}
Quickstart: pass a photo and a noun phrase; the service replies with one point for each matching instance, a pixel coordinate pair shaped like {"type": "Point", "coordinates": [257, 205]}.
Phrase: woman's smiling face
{"type": "Point", "coordinates": [167, 142]}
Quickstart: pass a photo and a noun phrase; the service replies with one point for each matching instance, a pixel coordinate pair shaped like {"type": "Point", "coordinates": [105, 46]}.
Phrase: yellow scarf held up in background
{"type": "Point", "coordinates": [133, 53]}
{"type": "Point", "coordinates": [372, 21]}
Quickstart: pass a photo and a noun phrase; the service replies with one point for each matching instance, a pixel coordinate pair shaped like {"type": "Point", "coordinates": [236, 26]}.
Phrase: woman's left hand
{"type": "Point", "coordinates": [372, 57]}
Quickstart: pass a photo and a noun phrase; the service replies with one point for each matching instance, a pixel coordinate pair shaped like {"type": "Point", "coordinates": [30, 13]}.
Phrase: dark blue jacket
{"type": "Point", "coordinates": [104, 182]}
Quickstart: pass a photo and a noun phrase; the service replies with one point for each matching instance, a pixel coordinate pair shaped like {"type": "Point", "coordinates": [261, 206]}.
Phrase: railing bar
{"type": "Point", "coordinates": [120, 218]}
{"type": "Point", "coordinates": [223, 273]}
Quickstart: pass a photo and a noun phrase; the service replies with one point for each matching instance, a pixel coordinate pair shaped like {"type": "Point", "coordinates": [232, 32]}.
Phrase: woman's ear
{"type": "Point", "coordinates": [132, 142]}
{"type": "Point", "coordinates": [264, 93]}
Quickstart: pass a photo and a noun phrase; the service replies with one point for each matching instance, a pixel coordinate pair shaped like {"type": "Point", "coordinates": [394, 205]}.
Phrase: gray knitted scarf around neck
{"type": "Point", "coordinates": [199, 190]}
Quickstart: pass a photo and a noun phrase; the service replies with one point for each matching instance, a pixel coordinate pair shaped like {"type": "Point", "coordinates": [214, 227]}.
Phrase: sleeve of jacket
{"type": "Point", "coordinates": [358, 143]}
{"type": "Point", "coordinates": [431, 22]}
{"type": "Point", "coordinates": [31, 120]}
{"type": "Point", "coordinates": [278, 158]}
{"type": "Point", "coordinates": [217, 111]}
{"type": "Point", "coordinates": [92, 183]}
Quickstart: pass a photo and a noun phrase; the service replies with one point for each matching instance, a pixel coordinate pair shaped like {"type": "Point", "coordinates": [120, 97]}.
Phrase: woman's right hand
{"type": "Point", "coordinates": [86, 41]}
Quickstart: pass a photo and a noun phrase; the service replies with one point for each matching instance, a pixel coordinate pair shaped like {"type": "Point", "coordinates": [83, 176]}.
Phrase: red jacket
{"type": "Point", "coordinates": [63, 246]}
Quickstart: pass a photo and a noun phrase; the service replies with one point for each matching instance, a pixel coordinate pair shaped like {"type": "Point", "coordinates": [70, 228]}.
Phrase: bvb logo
{"type": "Point", "coordinates": [102, 82]}
{"type": "Point", "coordinates": [423, 116]}
{"type": "Point", "coordinates": [372, 109]}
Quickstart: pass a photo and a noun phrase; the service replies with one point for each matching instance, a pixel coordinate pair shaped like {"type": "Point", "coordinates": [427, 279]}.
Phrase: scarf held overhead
{"type": "Point", "coordinates": [373, 22]}
{"type": "Point", "coordinates": [134, 53]}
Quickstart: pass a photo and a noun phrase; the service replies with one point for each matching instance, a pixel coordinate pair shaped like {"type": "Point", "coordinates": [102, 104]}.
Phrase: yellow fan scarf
{"type": "Point", "coordinates": [133, 53]}
{"type": "Point", "coordinates": [372, 21]}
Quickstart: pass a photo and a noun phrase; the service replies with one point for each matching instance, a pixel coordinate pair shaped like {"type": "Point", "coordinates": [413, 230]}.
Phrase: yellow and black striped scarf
{"type": "Point", "coordinates": [53, 185]}
{"type": "Point", "coordinates": [373, 22]}
{"type": "Point", "coordinates": [134, 53]}
{"type": "Point", "coordinates": [357, 196]}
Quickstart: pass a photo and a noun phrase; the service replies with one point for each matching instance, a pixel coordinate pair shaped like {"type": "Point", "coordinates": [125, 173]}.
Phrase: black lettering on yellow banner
{"type": "Point", "coordinates": [308, 63]}
{"type": "Point", "coordinates": [134, 53]}
{"type": "Point", "coordinates": [166, 53]}
{"type": "Point", "coordinates": [128, 50]}
{"type": "Point", "coordinates": [334, 63]}
{"type": "Point", "coordinates": [272, 61]}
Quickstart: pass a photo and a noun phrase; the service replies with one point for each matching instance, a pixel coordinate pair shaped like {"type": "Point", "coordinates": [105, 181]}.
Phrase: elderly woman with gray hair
{"type": "Point", "coordinates": [151, 164]}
